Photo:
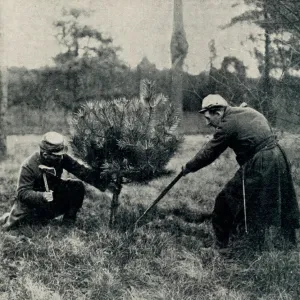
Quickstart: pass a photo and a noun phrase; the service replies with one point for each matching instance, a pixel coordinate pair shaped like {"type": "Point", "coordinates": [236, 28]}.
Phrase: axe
{"type": "Point", "coordinates": [49, 170]}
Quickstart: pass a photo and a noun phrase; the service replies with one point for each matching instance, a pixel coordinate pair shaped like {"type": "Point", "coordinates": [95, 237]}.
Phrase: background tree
{"type": "Point", "coordinates": [279, 21]}
{"type": "Point", "coordinates": [212, 88]}
{"type": "Point", "coordinates": [3, 98]}
{"type": "Point", "coordinates": [3, 111]}
{"type": "Point", "coordinates": [179, 50]}
{"type": "Point", "coordinates": [88, 58]}
{"type": "Point", "coordinates": [231, 80]}
{"type": "Point", "coordinates": [88, 69]}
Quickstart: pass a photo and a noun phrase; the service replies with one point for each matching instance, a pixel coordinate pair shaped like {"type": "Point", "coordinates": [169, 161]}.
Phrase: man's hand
{"type": "Point", "coordinates": [114, 188]}
{"type": "Point", "coordinates": [104, 180]}
{"type": "Point", "coordinates": [48, 196]}
{"type": "Point", "coordinates": [184, 170]}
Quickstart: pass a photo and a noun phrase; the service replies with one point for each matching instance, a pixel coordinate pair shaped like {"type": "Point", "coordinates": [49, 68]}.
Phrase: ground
{"type": "Point", "coordinates": [167, 257]}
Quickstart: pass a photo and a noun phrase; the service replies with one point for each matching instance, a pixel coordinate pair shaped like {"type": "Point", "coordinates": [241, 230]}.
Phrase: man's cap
{"type": "Point", "coordinates": [53, 143]}
{"type": "Point", "coordinates": [212, 101]}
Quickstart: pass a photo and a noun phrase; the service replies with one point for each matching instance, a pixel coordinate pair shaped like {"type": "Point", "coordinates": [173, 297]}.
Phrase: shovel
{"type": "Point", "coordinates": [162, 194]}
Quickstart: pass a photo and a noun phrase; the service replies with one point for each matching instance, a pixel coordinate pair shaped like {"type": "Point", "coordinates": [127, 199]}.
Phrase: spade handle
{"type": "Point", "coordinates": [162, 194]}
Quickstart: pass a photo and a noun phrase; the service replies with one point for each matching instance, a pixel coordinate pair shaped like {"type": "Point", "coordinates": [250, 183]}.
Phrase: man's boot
{"type": "Point", "coordinates": [69, 217]}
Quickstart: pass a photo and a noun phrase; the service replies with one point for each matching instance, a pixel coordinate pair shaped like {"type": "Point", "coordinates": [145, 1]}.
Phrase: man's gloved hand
{"type": "Point", "coordinates": [184, 170]}
{"type": "Point", "coordinates": [114, 188]}
{"type": "Point", "coordinates": [103, 181]}
{"type": "Point", "coordinates": [48, 196]}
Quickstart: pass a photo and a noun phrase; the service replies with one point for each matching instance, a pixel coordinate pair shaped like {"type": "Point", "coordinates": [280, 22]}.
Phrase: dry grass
{"type": "Point", "coordinates": [165, 258]}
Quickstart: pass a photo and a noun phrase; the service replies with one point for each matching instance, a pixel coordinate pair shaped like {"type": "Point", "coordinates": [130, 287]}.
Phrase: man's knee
{"type": "Point", "coordinates": [78, 185]}
{"type": "Point", "coordinates": [75, 187]}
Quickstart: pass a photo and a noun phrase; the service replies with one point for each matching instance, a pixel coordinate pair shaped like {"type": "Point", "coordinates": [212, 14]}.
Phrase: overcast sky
{"type": "Point", "coordinates": [140, 27]}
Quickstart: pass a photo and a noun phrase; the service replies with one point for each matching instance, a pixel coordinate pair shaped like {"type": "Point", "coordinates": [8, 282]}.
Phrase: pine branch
{"type": "Point", "coordinates": [137, 135]}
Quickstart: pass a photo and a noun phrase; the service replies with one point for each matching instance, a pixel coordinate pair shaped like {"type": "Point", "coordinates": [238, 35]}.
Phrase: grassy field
{"type": "Point", "coordinates": [168, 257]}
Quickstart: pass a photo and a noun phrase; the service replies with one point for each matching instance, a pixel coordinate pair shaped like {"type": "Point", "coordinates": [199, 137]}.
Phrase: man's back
{"type": "Point", "coordinates": [246, 129]}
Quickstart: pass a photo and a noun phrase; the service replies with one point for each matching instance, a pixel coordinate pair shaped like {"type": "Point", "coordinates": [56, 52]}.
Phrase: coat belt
{"type": "Point", "coordinates": [266, 144]}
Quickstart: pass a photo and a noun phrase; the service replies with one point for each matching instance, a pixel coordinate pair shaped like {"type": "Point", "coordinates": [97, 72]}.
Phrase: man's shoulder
{"type": "Point", "coordinates": [32, 161]}
{"type": "Point", "coordinates": [236, 110]}
{"type": "Point", "coordinates": [241, 109]}
{"type": "Point", "coordinates": [234, 116]}
{"type": "Point", "coordinates": [242, 114]}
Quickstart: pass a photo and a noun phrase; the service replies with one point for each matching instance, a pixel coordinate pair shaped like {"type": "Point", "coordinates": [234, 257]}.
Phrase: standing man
{"type": "Point", "coordinates": [261, 193]}
{"type": "Point", "coordinates": [41, 193]}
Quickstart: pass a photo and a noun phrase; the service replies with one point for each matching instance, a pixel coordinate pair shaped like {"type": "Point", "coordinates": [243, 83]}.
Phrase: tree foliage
{"type": "Point", "coordinates": [279, 21]}
{"type": "Point", "coordinates": [137, 136]}
{"type": "Point", "coordinates": [89, 61]}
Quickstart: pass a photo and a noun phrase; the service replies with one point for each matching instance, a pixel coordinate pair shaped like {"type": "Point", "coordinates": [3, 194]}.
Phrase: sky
{"type": "Point", "coordinates": [140, 27]}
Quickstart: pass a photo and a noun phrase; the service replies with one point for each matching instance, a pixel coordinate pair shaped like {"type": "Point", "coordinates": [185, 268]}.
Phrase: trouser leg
{"type": "Point", "coordinates": [222, 221]}
{"type": "Point", "coordinates": [68, 197]}
{"type": "Point", "coordinates": [227, 210]}
{"type": "Point", "coordinates": [289, 235]}
{"type": "Point", "coordinates": [17, 213]}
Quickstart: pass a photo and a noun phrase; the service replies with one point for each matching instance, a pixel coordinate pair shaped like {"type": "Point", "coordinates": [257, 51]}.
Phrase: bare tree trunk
{"type": "Point", "coordinates": [179, 50]}
{"type": "Point", "coordinates": [267, 95]}
{"type": "Point", "coordinates": [3, 104]}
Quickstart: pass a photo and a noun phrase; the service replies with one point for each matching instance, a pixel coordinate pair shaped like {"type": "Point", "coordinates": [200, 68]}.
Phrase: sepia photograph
{"type": "Point", "coordinates": [149, 149]}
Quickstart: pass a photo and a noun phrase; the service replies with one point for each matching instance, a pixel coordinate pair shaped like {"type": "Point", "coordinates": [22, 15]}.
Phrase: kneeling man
{"type": "Point", "coordinates": [41, 192]}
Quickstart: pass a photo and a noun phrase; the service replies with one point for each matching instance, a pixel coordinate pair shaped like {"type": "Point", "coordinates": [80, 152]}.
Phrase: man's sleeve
{"type": "Point", "coordinates": [211, 151]}
{"type": "Point", "coordinates": [83, 172]}
{"type": "Point", "coordinates": [25, 189]}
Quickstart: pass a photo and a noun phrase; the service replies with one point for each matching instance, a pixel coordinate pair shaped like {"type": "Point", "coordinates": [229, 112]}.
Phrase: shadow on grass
{"type": "Point", "coordinates": [181, 223]}
{"type": "Point", "coordinates": [127, 216]}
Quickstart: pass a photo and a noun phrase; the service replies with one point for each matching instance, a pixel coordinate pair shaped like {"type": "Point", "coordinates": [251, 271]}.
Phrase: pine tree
{"type": "Point", "coordinates": [279, 21]}
{"type": "Point", "coordinates": [132, 139]}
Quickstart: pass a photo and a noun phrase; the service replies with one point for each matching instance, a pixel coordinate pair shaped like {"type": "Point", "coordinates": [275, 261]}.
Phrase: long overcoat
{"type": "Point", "coordinates": [263, 180]}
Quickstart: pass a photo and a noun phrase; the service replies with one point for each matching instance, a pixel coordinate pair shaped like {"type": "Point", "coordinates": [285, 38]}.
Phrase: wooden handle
{"type": "Point", "coordinates": [162, 194]}
{"type": "Point", "coordinates": [46, 182]}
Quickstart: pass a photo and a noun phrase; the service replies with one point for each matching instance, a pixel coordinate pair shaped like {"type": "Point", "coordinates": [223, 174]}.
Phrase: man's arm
{"type": "Point", "coordinates": [25, 189]}
{"type": "Point", "coordinates": [83, 172]}
{"type": "Point", "coordinates": [211, 151]}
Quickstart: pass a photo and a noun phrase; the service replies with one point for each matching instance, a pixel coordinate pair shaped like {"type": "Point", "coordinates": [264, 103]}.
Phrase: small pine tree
{"type": "Point", "coordinates": [132, 139]}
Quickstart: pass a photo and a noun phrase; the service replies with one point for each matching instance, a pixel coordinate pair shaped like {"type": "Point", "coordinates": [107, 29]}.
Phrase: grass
{"type": "Point", "coordinates": [165, 258]}
{"type": "Point", "coordinates": [23, 119]}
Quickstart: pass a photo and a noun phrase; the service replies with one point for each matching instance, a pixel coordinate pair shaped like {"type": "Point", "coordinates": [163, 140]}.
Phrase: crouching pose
{"type": "Point", "coordinates": [41, 192]}
{"type": "Point", "coordinates": [261, 194]}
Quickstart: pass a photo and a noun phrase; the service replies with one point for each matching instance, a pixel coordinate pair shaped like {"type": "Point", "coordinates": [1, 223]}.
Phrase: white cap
{"type": "Point", "coordinates": [211, 101]}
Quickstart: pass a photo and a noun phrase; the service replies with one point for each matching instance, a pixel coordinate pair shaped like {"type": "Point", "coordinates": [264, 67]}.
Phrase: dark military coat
{"type": "Point", "coordinates": [269, 191]}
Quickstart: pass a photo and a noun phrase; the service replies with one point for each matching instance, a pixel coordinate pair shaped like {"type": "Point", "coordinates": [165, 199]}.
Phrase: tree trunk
{"type": "Point", "coordinates": [267, 94]}
{"type": "Point", "coordinates": [3, 109]}
{"type": "Point", "coordinates": [3, 97]}
{"type": "Point", "coordinates": [179, 50]}
{"type": "Point", "coordinates": [115, 202]}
